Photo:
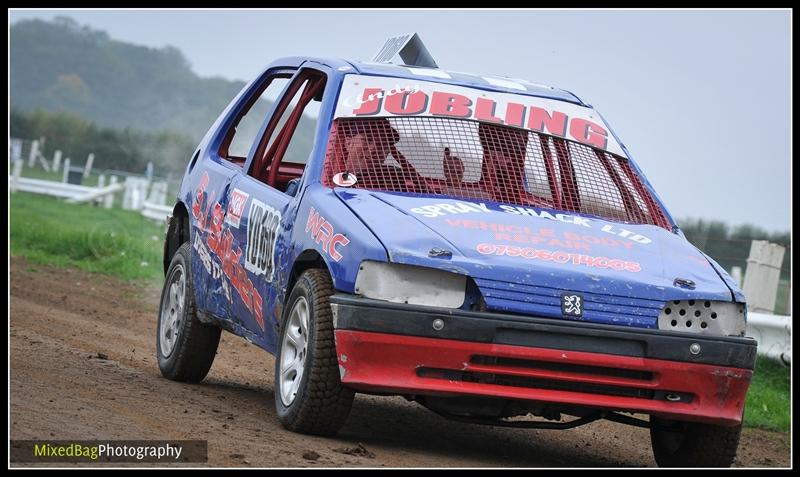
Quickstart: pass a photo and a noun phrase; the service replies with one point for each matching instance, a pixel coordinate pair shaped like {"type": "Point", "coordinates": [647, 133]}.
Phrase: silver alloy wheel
{"type": "Point", "coordinates": [172, 311]}
{"type": "Point", "coordinates": [293, 352]}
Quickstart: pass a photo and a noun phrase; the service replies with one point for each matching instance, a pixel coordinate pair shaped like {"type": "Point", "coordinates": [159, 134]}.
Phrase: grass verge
{"type": "Point", "coordinates": [115, 242]}
{"type": "Point", "coordinates": [768, 402]}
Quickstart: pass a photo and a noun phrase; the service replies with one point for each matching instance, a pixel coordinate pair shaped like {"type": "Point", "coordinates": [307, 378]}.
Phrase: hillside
{"type": "Point", "coordinates": [63, 66]}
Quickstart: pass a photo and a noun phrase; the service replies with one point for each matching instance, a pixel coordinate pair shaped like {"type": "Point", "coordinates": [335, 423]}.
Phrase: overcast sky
{"type": "Point", "coordinates": [700, 98]}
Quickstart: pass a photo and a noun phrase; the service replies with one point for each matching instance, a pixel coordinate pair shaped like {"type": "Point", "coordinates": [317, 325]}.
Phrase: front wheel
{"type": "Point", "coordinates": [693, 444]}
{"type": "Point", "coordinates": [309, 396]}
{"type": "Point", "coordinates": [185, 346]}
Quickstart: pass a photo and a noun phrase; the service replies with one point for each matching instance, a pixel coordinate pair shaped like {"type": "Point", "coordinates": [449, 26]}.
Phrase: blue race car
{"type": "Point", "coordinates": [483, 245]}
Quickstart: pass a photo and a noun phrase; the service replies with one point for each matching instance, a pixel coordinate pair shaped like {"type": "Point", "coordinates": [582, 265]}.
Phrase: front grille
{"type": "Point", "coordinates": [535, 383]}
{"type": "Point", "coordinates": [564, 367]}
{"type": "Point", "coordinates": [545, 301]}
{"type": "Point", "coordinates": [530, 382]}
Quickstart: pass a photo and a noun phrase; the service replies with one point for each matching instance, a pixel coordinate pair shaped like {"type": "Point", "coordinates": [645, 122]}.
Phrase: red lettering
{"type": "Point", "coordinates": [484, 111]}
{"type": "Point", "coordinates": [485, 248]}
{"type": "Point", "coordinates": [324, 235]}
{"type": "Point", "coordinates": [407, 103]}
{"type": "Point", "coordinates": [540, 120]}
{"type": "Point", "coordinates": [198, 196]}
{"type": "Point", "coordinates": [616, 264]}
{"type": "Point", "coordinates": [450, 104]}
{"type": "Point", "coordinates": [370, 102]}
{"type": "Point", "coordinates": [633, 267]}
{"type": "Point", "coordinates": [313, 223]}
{"type": "Point", "coordinates": [561, 257]}
{"type": "Point", "coordinates": [215, 230]}
{"type": "Point", "coordinates": [588, 132]}
{"type": "Point", "coordinates": [258, 308]}
{"type": "Point", "coordinates": [515, 115]}
{"type": "Point", "coordinates": [337, 239]}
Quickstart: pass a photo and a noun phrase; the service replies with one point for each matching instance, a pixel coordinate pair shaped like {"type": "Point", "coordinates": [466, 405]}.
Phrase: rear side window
{"type": "Point", "coordinates": [241, 136]}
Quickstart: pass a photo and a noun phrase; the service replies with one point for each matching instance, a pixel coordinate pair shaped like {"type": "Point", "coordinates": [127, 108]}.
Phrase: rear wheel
{"type": "Point", "coordinates": [693, 444]}
{"type": "Point", "coordinates": [185, 346]}
{"type": "Point", "coordinates": [309, 396]}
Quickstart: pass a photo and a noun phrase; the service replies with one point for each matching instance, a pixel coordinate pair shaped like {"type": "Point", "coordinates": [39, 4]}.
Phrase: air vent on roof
{"type": "Point", "coordinates": [409, 48]}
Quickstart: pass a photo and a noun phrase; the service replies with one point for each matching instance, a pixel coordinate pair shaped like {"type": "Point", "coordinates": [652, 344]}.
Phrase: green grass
{"type": "Point", "coordinates": [768, 402]}
{"type": "Point", "coordinates": [115, 242]}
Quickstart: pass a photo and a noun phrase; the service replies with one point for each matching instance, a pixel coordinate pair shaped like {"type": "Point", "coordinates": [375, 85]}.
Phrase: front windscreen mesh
{"type": "Point", "coordinates": [465, 159]}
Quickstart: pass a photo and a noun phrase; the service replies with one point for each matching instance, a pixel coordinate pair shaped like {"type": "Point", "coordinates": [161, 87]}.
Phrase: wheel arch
{"type": "Point", "coordinates": [178, 232]}
{"type": "Point", "coordinates": [308, 259]}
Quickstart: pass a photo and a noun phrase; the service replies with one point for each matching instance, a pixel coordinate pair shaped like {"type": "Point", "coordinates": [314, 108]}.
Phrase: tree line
{"type": "Point", "coordinates": [120, 149]}
{"type": "Point", "coordinates": [730, 245]}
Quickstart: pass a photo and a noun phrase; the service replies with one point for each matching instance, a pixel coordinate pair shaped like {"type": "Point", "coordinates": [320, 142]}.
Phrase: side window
{"type": "Point", "coordinates": [242, 134]}
{"type": "Point", "coordinates": [289, 138]}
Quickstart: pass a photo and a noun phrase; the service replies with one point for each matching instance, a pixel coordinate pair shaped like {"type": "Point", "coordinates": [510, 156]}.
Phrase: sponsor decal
{"type": "Point", "coordinates": [219, 241]}
{"type": "Point", "coordinates": [236, 205]}
{"type": "Point", "coordinates": [363, 96]}
{"type": "Point", "coordinates": [212, 267]}
{"type": "Point", "coordinates": [436, 210]}
{"type": "Point", "coordinates": [263, 222]}
{"type": "Point", "coordinates": [572, 304]}
{"type": "Point", "coordinates": [530, 253]}
{"type": "Point", "coordinates": [454, 208]}
{"type": "Point", "coordinates": [540, 236]}
{"type": "Point", "coordinates": [323, 233]}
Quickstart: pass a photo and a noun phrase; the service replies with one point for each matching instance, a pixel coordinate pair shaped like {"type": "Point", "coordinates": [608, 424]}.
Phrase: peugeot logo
{"type": "Point", "coordinates": [572, 304]}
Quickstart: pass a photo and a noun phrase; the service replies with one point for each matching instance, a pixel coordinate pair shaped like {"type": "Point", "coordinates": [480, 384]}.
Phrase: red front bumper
{"type": "Point", "coordinates": [399, 364]}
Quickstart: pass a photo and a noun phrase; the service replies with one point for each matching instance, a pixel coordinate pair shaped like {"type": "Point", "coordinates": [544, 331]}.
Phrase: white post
{"type": "Point", "coordinates": [66, 170]}
{"type": "Point", "coordinates": [16, 173]}
{"type": "Point", "coordinates": [110, 197]}
{"type": "Point", "coordinates": [45, 164]}
{"type": "Point", "coordinates": [16, 149]}
{"type": "Point", "coordinates": [88, 168]}
{"type": "Point", "coordinates": [736, 274]}
{"type": "Point", "coordinates": [136, 194]}
{"type": "Point", "coordinates": [162, 193]}
{"type": "Point", "coordinates": [101, 181]}
{"type": "Point", "coordinates": [143, 186]}
{"type": "Point", "coordinates": [762, 275]}
{"type": "Point", "coordinates": [56, 160]}
{"type": "Point", "coordinates": [126, 196]}
{"type": "Point", "coordinates": [33, 153]}
{"type": "Point", "coordinates": [158, 193]}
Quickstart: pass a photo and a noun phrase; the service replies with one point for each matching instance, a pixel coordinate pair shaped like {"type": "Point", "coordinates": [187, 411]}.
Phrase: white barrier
{"type": "Point", "coordinates": [773, 334]}
{"type": "Point", "coordinates": [155, 211]}
{"type": "Point", "coordinates": [57, 189]}
{"type": "Point", "coordinates": [97, 193]}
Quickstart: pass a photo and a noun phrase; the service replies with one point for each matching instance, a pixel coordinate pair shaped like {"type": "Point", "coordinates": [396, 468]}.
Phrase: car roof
{"type": "Point", "coordinates": [487, 82]}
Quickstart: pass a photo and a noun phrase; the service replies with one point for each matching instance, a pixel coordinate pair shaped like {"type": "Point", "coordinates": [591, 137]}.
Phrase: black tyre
{"type": "Point", "coordinates": [693, 444]}
{"type": "Point", "coordinates": [309, 396]}
{"type": "Point", "coordinates": [185, 346]}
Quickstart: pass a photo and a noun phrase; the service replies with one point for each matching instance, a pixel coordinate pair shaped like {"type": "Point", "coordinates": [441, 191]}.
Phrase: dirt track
{"type": "Point", "coordinates": [62, 319]}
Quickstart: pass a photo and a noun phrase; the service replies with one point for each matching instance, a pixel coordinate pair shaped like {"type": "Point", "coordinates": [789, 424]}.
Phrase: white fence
{"type": "Point", "coordinates": [156, 211]}
{"type": "Point", "coordinates": [138, 194]}
{"type": "Point", "coordinates": [773, 334]}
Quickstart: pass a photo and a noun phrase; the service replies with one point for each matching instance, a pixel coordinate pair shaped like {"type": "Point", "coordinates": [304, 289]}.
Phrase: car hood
{"type": "Point", "coordinates": [523, 258]}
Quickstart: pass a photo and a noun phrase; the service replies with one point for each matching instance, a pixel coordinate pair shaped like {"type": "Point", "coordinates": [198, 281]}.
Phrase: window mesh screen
{"type": "Point", "coordinates": [470, 160]}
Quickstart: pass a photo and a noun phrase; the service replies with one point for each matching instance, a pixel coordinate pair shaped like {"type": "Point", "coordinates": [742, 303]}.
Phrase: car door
{"type": "Point", "coordinates": [260, 208]}
{"type": "Point", "coordinates": [215, 272]}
